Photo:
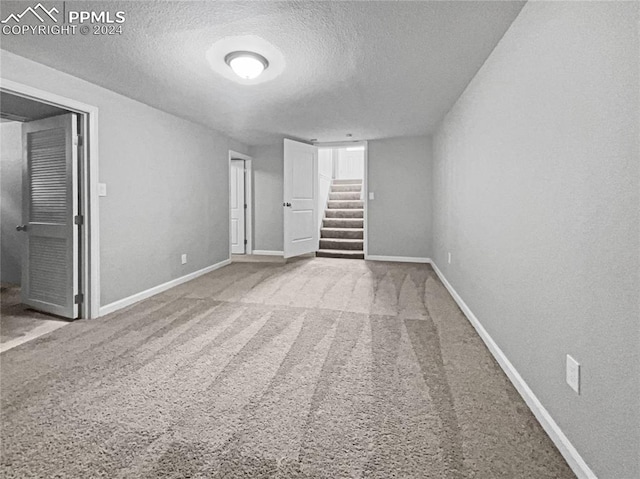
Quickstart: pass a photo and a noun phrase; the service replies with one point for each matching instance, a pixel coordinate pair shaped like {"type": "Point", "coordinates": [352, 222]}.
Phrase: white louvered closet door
{"type": "Point", "coordinates": [49, 207]}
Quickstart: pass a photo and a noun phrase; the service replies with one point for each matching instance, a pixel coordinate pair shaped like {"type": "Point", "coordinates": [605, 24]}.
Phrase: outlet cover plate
{"type": "Point", "coordinates": [573, 374]}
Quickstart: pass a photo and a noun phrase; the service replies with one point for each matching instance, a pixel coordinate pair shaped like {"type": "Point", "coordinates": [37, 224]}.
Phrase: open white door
{"type": "Point", "coordinates": [300, 198]}
{"type": "Point", "coordinates": [49, 209]}
{"type": "Point", "coordinates": [237, 202]}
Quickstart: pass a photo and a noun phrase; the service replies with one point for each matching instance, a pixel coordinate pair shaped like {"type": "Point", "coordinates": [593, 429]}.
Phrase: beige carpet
{"type": "Point", "coordinates": [19, 324]}
{"type": "Point", "coordinates": [256, 258]}
{"type": "Point", "coordinates": [318, 368]}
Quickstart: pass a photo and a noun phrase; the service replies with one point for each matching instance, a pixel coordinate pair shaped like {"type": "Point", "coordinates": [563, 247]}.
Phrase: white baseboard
{"type": "Point", "coordinates": [397, 259]}
{"type": "Point", "coordinates": [123, 303]}
{"type": "Point", "coordinates": [265, 252]}
{"type": "Point", "coordinates": [568, 451]}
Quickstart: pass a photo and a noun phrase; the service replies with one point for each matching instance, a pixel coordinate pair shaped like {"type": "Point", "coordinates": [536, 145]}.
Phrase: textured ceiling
{"type": "Point", "coordinates": [373, 69]}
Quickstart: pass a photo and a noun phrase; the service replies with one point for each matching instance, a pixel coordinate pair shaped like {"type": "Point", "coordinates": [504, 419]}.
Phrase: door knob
{"type": "Point", "coordinates": [286, 204]}
{"type": "Point", "coordinates": [21, 228]}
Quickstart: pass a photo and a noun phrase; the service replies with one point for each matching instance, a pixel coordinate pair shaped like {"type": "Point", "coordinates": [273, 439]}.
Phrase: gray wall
{"type": "Point", "coordinates": [268, 183]}
{"type": "Point", "coordinates": [11, 190]}
{"type": "Point", "coordinates": [399, 218]}
{"type": "Point", "coordinates": [536, 188]}
{"type": "Point", "coordinates": [167, 181]}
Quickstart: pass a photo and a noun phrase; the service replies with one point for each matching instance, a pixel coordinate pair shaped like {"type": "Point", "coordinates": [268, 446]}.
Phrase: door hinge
{"type": "Point", "coordinates": [245, 241]}
{"type": "Point", "coordinates": [245, 206]}
{"type": "Point", "coordinates": [78, 140]}
{"type": "Point", "coordinates": [78, 298]}
{"type": "Point", "coordinates": [78, 220]}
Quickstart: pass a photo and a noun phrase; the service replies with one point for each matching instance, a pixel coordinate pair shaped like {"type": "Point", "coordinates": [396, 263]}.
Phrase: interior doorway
{"type": "Point", "coordinates": [40, 268]}
{"type": "Point", "coordinates": [342, 201]}
{"type": "Point", "coordinates": [88, 187]}
{"type": "Point", "coordinates": [240, 201]}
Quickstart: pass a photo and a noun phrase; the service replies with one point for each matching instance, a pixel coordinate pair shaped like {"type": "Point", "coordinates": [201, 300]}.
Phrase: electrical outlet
{"type": "Point", "coordinates": [184, 258]}
{"type": "Point", "coordinates": [448, 258]}
{"type": "Point", "coordinates": [573, 374]}
{"type": "Point", "coordinates": [102, 189]}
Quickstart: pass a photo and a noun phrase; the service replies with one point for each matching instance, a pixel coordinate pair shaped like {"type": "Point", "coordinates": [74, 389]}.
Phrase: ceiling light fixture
{"type": "Point", "coordinates": [247, 65]}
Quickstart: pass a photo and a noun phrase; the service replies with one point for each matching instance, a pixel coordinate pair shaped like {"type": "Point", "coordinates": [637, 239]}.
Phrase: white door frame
{"type": "Point", "coordinates": [89, 201]}
{"type": "Point", "coordinates": [365, 181]}
{"type": "Point", "coordinates": [248, 195]}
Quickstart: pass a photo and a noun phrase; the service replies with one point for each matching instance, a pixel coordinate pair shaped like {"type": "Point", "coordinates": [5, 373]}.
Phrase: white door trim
{"type": "Point", "coordinates": [90, 236]}
{"type": "Point", "coordinates": [340, 144]}
{"type": "Point", "coordinates": [365, 181]}
{"type": "Point", "coordinates": [365, 193]}
{"type": "Point", "coordinates": [248, 194]}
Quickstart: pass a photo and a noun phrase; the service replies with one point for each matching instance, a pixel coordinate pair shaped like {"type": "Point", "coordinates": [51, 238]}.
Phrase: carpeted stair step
{"type": "Point", "coordinates": [345, 204]}
{"type": "Point", "coordinates": [346, 254]}
{"type": "Point", "coordinates": [345, 195]}
{"type": "Point", "coordinates": [340, 213]}
{"type": "Point", "coordinates": [340, 243]}
{"type": "Point", "coordinates": [337, 188]}
{"type": "Point", "coordinates": [347, 182]}
{"type": "Point", "coordinates": [346, 233]}
{"type": "Point", "coordinates": [343, 223]}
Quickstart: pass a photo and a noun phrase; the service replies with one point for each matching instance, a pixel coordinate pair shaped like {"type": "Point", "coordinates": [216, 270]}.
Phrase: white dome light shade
{"type": "Point", "coordinates": [247, 65]}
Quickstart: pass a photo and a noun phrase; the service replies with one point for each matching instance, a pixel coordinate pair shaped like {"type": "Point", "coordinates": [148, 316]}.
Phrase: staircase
{"type": "Point", "coordinates": [342, 232]}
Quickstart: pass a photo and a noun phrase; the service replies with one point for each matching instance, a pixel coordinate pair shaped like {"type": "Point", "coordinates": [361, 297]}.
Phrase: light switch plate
{"type": "Point", "coordinates": [573, 374]}
{"type": "Point", "coordinates": [102, 189]}
{"type": "Point", "coordinates": [184, 258]}
{"type": "Point", "coordinates": [371, 195]}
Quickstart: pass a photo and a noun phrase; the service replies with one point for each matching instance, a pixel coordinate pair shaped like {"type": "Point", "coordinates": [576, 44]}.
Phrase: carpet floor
{"type": "Point", "coordinates": [318, 368]}
{"type": "Point", "coordinates": [19, 324]}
